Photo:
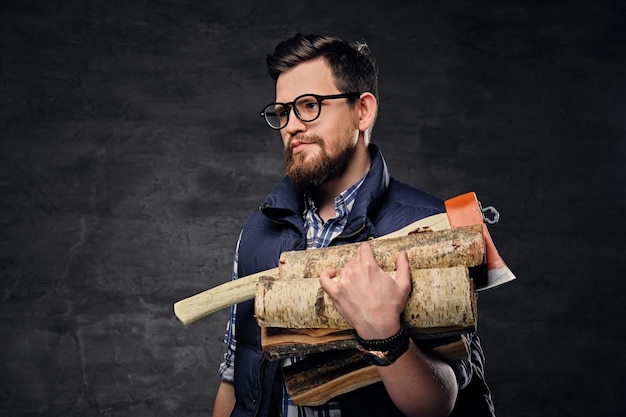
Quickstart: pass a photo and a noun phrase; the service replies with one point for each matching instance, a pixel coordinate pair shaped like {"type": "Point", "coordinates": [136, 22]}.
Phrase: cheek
{"type": "Point", "coordinates": [349, 136]}
{"type": "Point", "coordinates": [355, 136]}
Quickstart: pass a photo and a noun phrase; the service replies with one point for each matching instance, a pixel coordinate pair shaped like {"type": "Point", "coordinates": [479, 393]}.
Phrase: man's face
{"type": "Point", "coordinates": [321, 150]}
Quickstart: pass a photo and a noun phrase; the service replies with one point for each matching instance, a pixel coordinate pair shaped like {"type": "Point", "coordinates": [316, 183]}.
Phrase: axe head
{"type": "Point", "coordinates": [465, 210]}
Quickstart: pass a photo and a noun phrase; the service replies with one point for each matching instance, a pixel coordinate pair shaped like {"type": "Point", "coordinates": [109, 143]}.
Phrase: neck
{"type": "Point", "coordinates": [324, 195]}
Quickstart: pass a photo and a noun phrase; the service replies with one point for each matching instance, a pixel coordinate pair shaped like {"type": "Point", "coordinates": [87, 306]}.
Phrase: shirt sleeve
{"type": "Point", "coordinates": [227, 367]}
{"type": "Point", "coordinates": [466, 368]}
{"type": "Point", "coordinates": [474, 398]}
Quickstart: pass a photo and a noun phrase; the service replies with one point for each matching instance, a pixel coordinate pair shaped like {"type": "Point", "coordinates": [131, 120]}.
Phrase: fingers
{"type": "Point", "coordinates": [365, 251]}
{"type": "Point", "coordinates": [402, 261]}
{"type": "Point", "coordinates": [362, 264]}
{"type": "Point", "coordinates": [403, 270]}
{"type": "Point", "coordinates": [364, 257]}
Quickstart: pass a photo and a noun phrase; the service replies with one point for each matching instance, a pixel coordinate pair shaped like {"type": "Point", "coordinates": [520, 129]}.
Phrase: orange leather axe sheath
{"type": "Point", "coordinates": [465, 210]}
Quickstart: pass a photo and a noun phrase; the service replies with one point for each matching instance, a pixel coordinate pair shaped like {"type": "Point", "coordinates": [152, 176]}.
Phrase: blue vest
{"type": "Point", "coordinates": [382, 206]}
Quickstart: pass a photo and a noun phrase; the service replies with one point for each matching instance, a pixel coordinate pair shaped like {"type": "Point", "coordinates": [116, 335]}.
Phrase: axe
{"type": "Point", "coordinates": [463, 210]}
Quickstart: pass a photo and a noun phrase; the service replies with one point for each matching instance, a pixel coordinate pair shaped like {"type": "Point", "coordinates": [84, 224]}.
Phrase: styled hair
{"type": "Point", "coordinates": [352, 66]}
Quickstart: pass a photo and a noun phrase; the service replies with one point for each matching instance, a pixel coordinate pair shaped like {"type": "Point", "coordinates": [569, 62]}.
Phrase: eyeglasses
{"type": "Point", "coordinates": [306, 107]}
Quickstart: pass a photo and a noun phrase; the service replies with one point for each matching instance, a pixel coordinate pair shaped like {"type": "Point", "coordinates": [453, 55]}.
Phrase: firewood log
{"type": "Point", "coordinates": [441, 298]}
{"type": "Point", "coordinates": [446, 248]}
{"type": "Point", "coordinates": [320, 377]}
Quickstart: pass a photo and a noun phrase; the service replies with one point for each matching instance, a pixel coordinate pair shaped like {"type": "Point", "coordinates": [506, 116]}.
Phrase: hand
{"type": "Point", "coordinates": [368, 298]}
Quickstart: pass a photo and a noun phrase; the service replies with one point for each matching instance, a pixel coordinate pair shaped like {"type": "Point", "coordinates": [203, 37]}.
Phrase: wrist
{"type": "Point", "coordinates": [383, 352]}
{"type": "Point", "coordinates": [378, 333]}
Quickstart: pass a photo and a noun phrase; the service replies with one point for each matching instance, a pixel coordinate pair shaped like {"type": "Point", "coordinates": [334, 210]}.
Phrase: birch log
{"type": "Point", "coordinates": [441, 299]}
{"type": "Point", "coordinates": [441, 249]}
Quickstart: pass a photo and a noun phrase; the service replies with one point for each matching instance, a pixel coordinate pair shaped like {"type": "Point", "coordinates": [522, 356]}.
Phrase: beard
{"type": "Point", "coordinates": [311, 172]}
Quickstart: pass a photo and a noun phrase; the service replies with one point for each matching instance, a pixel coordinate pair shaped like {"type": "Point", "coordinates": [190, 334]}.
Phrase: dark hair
{"type": "Point", "coordinates": [352, 66]}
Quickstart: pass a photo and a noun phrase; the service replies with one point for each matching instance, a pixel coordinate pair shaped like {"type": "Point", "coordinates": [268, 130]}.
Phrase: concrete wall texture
{"type": "Point", "coordinates": [131, 151]}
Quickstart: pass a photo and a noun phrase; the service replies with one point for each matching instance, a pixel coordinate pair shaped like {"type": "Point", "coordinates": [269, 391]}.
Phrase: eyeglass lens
{"type": "Point", "coordinates": [307, 109]}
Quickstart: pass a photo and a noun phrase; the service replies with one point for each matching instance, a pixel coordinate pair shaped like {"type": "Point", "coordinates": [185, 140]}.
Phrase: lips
{"type": "Point", "coordinates": [298, 146]}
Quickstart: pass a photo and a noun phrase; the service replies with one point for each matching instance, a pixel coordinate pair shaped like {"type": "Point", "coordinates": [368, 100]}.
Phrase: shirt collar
{"type": "Point", "coordinates": [343, 202]}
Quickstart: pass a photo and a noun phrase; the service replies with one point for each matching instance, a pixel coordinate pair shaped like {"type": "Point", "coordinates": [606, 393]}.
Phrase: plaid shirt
{"type": "Point", "coordinates": [319, 235]}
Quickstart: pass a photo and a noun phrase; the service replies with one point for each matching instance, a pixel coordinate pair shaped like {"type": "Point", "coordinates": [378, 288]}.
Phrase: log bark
{"type": "Point", "coordinates": [321, 377]}
{"type": "Point", "coordinates": [441, 299]}
{"type": "Point", "coordinates": [280, 343]}
{"type": "Point", "coordinates": [440, 249]}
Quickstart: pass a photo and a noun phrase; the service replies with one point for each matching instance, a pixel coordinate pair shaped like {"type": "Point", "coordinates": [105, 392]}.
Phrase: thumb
{"type": "Point", "coordinates": [326, 279]}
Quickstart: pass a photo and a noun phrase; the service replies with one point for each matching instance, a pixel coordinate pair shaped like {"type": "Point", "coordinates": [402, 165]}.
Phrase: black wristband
{"type": "Point", "coordinates": [385, 344]}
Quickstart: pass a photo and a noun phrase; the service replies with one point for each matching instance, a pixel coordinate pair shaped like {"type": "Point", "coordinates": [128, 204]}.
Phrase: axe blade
{"type": "Point", "coordinates": [465, 210]}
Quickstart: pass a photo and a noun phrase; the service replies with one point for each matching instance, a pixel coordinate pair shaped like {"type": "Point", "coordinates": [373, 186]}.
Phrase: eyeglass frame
{"type": "Point", "coordinates": [291, 106]}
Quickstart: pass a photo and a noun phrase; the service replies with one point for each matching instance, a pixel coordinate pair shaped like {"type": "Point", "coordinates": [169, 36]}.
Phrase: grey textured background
{"type": "Point", "coordinates": [131, 152]}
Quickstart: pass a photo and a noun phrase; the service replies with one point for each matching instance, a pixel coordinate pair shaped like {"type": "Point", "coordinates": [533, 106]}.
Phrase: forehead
{"type": "Point", "coordinates": [312, 76]}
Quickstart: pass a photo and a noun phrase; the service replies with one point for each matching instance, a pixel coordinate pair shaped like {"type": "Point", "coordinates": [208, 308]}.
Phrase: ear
{"type": "Point", "coordinates": [367, 111]}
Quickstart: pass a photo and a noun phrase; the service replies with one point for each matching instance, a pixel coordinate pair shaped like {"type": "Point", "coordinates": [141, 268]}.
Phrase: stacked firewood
{"type": "Point", "coordinates": [298, 318]}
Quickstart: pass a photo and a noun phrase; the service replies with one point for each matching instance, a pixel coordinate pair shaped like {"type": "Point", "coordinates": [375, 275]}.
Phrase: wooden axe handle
{"type": "Point", "coordinates": [243, 289]}
{"type": "Point", "coordinates": [214, 299]}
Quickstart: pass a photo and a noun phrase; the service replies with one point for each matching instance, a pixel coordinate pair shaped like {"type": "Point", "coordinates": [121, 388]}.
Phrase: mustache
{"type": "Point", "coordinates": [313, 138]}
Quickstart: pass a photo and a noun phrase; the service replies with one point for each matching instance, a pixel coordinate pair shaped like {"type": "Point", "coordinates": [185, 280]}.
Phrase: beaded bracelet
{"type": "Point", "coordinates": [385, 344]}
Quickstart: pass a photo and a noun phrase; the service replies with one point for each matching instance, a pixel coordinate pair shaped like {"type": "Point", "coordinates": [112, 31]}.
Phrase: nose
{"type": "Point", "coordinates": [294, 124]}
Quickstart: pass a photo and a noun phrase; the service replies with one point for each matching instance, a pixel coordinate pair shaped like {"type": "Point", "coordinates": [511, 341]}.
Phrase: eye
{"type": "Point", "coordinates": [279, 111]}
{"type": "Point", "coordinates": [311, 105]}
{"type": "Point", "coordinates": [308, 107]}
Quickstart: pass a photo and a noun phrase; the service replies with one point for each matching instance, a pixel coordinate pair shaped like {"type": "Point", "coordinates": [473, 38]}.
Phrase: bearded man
{"type": "Point", "coordinates": [338, 190]}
